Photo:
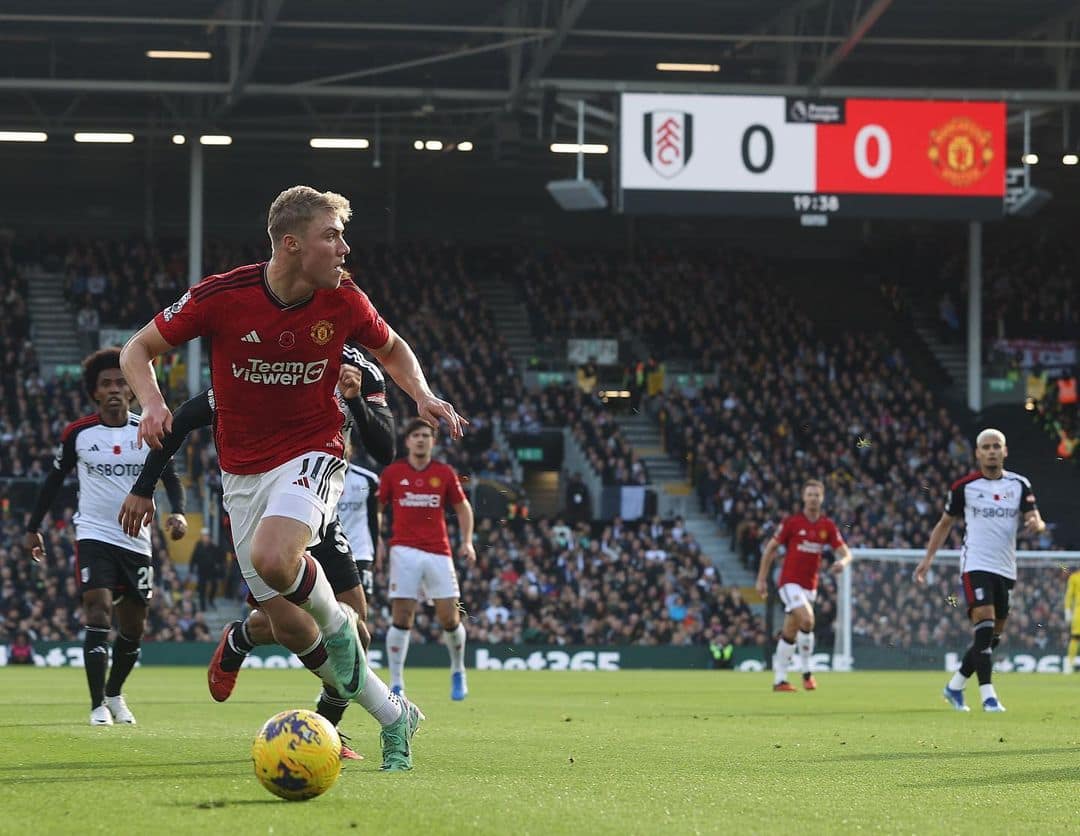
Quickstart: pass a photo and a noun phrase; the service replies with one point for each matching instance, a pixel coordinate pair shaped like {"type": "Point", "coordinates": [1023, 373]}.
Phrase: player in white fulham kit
{"type": "Point", "coordinates": [994, 502]}
{"type": "Point", "coordinates": [114, 570]}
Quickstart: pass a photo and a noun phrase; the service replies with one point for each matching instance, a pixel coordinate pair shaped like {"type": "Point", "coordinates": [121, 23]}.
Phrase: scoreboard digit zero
{"type": "Point", "coordinates": [776, 156]}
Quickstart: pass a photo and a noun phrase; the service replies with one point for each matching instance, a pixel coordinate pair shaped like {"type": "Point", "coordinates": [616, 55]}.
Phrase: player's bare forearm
{"type": "Point", "coordinates": [845, 556]}
{"type": "Point", "coordinates": [1034, 523]}
{"type": "Point", "coordinates": [937, 537]}
{"type": "Point", "coordinates": [399, 361]}
{"type": "Point", "coordinates": [136, 358]}
{"type": "Point", "coordinates": [767, 560]}
{"type": "Point", "coordinates": [464, 513]}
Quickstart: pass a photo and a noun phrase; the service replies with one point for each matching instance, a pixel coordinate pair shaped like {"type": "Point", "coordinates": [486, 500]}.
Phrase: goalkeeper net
{"type": "Point", "coordinates": [884, 620]}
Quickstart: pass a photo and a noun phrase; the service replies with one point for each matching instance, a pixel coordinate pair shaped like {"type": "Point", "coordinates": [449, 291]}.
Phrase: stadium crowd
{"type": "Point", "coordinates": [791, 405]}
{"type": "Point", "coordinates": [891, 611]}
{"type": "Point", "coordinates": [545, 582]}
{"type": "Point", "coordinates": [43, 601]}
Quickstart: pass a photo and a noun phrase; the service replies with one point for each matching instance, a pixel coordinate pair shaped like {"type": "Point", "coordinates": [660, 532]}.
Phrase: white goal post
{"type": "Point", "coordinates": [1055, 566]}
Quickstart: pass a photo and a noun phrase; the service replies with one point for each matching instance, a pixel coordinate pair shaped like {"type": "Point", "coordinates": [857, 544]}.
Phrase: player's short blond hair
{"type": "Point", "coordinates": [990, 432]}
{"type": "Point", "coordinates": [813, 483]}
{"type": "Point", "coordinates": [295, 208]}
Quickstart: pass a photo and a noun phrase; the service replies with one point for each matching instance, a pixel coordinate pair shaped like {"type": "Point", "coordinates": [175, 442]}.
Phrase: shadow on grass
{"type": "Point", "coordinates": [937, 754]}
{"type": "Point", "coordinates": [217, 804]}
{"type": "Point", "coordinates": [812, 712]}
{"type": "Point", "coordinates": [68, 723]}
{"type": "Point", "coordinates": [147, 767]}
{"type": "Point", "coordinates": [1031, 776]}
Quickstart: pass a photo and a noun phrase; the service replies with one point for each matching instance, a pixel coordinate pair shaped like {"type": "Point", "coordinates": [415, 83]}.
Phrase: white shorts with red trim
{"type": "Point", "coordinates": [794, 596]}
{"type": "Point", "coordinates": [422, 575]}
{"type": "Point", "coordinates": [305, 488]}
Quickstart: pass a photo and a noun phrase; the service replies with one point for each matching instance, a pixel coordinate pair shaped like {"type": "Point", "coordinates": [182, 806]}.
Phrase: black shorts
{"type": "Point", "coordinates": [106, 566]}
{"type": "Point", "coordinates": [335, 556]}
{"type": "Point", "coordinates": [982, 588]}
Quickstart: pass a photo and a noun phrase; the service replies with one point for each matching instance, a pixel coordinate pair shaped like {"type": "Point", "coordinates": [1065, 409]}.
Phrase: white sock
{"type": "Point", "coordinates": [397, 648]}
{"type": "Point", "coordinates": [378, 701]}
{"type": "Point", "coordinates": [785, 651]}
{"type": "Point", "coordinates": [987, 691]}
{"type": "Point", "coordinates": [805, 643]}
{"type": "Point", "coordinates": [320, 601]}
{"type": "Point", "coordinates": [958, 681]}
{"type": "Point", "coordinates": [455, 643]}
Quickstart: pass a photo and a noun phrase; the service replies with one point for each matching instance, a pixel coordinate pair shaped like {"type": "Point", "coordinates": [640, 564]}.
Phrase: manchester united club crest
{"type": "Point", "coordinates": [960, 151]}
{"type": "Point", "coordinates": [669, 141]}
{"type": "Point", "coordinates": [823, 534]}
{"type": "Point", "coordinates": [322, 332]}
{"type": "Point", "coordinates": [435, 481]}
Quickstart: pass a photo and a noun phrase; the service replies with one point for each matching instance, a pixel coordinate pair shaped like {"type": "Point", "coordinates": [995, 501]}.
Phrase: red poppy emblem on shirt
{"type": "Point", "coordinates": [116, 449]}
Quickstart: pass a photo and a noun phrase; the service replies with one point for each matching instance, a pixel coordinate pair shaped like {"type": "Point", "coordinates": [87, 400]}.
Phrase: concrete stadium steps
{"type": "Point", "coordinates": [668, 476]}
{"type": "Point", "coordinates": [221, 614]}
{"type": "Point", "coordinates": [644, 436]}
{"type": "Point", "coordinates": [511, 319]}
{"type": "Point", "coordinates": [544, 492]}
{"type": "Point", "coordinates": [52, 323]}
{"type": "Point", "coordinates": [952, 358]}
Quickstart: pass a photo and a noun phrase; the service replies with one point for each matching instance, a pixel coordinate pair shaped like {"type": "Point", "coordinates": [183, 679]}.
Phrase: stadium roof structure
{"type": "Point", "coordinates": [478, 69]}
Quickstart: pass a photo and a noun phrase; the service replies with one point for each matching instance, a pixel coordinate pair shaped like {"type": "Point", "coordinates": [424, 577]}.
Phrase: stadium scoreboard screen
{"type": "Point", "coordinates": [811, 158]}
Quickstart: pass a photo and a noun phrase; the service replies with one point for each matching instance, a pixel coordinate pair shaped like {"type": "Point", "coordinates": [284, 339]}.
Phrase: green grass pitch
{"type": "Point", "coordinates": [550, 752]}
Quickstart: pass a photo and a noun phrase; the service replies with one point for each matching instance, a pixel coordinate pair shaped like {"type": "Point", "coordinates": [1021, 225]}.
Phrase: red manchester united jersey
{"type": "Point", "coordinates": [418, 499]}
{"type": "Point", "coordinates": [805, 541]}
{"type": "Point", "coordinates": [273, 366]}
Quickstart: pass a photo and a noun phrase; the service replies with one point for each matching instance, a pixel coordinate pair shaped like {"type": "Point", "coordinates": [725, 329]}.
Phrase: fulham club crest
{"type": "Point", "coordinates": [669, 140]}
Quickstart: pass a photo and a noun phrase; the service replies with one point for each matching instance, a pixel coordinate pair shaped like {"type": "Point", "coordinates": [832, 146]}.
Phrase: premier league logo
{"type": "Point", "coordinates": [669, 141]}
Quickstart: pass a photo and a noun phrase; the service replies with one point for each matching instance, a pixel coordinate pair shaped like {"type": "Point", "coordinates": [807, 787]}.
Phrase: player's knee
{"type": "Point", "coordinates": [133, 624]}
{"type": "Point", "coordinates": [276, 568]}
{"type": "Point", "coordinates": [98, 613]}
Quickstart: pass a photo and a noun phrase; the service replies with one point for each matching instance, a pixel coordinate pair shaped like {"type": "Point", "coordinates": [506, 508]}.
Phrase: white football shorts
{"type": "Point", "coordinates": [305, 488]}
{"type": "Point", "coordinates": [794, 596]}
{"type": "Point", "coordinates": [422, 575]}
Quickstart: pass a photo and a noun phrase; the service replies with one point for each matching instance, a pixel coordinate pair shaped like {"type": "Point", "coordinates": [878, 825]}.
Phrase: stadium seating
{"type": "Point", "coordinates": [541, 582]}
{"type": "Point", "coordinates": [791, 404]}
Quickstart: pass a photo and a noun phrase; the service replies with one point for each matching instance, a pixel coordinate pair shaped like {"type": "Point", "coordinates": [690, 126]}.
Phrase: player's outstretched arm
{"type": "Point", "coordinates": [63, 464]}
{"type": "Point", "coordinates": [135, 361]}
{"type": "Point", "coordinates": [138, 507]}
{"type": "Point", "coordinates": [845, 557]}
{"type": "Point", "coordinates": [399, 360]}
{"type": "Point", "coordinates": [365, 396]}
{"type": "Point", "coordinates": [1033, 522]}
{"type": "Point", "coordinates": [766, 564]}
{"type": "Point", "coordinates": [465, 517]}
{"type": "Point", "coordinates": [937, 538]}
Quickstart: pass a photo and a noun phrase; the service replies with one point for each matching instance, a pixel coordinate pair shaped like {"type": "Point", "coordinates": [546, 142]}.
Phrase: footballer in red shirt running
{"type": "Point", "coordinates": [805, 537]}
{"type": "Point", "coordinates": [277, 330]}
{"type": "Point", "coordinates": [417, 490]}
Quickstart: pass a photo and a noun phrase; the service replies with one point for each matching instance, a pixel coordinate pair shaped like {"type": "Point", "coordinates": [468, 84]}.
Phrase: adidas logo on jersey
{"type": "Point", "coordinates": [303, 482]}
{"type": "Point", "coordinates": [404, 482]}
{"type": "Point", "coordinates": [95, 449]}
{"type": "Point", "coordinates": [251, 337]}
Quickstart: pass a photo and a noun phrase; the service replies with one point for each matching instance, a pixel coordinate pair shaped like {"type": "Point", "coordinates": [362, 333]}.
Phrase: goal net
{"type": "Point", "coordinates": [884, 620]}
